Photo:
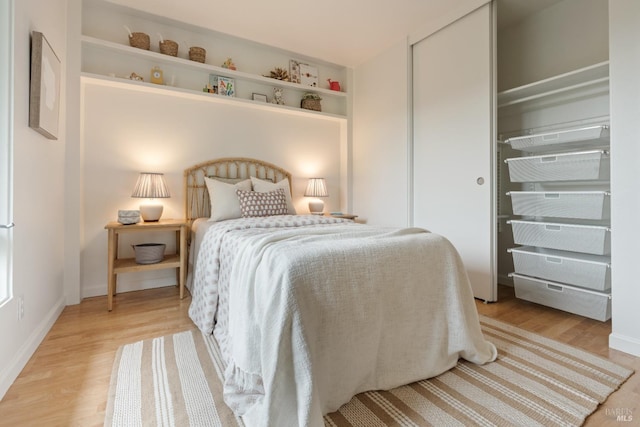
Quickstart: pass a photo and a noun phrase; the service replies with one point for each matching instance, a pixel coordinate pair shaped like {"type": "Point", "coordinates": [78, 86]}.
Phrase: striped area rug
{"type": "Point", "coordinates": [174, 381]}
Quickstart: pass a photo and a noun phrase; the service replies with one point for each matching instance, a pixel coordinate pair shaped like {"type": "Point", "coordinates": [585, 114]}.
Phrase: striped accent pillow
{"type": "Point", "coordinates": [255, 204]}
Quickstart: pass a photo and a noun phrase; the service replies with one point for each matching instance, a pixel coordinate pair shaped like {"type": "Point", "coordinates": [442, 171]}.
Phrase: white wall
{"type": "Point", "coordinates": [126, 132]}
{"type": "Point", "coordinates": [566, 36]}
{"type": "Point", "coordinates": [624, 33]}
{"type": "Point", "coordinates": [380, 138]}
{"type": "Point", "coordinates": [38, 254]}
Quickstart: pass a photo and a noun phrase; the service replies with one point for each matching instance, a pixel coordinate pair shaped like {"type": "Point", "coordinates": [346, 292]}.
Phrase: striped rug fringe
{"type": "Point", "coordinates": [175, 381]}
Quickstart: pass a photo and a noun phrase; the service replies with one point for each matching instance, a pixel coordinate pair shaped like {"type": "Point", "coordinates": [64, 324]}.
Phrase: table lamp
{"type": "Point", "coordinates": [151, 186]}
{"type": "Point", "coordinates": [316, 188]}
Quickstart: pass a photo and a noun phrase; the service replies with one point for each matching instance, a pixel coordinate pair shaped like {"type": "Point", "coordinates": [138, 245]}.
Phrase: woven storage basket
{"type": "Point", "coordinates": [197, 54]}
{"type": "Point", "coordinates": [169, 47]}
{"type": "Point", "coordinates": [140, 40]}
{"type": "Point", "coordinates": [311, 104]}
{"type": "Point", "coordinates": [149, 253]}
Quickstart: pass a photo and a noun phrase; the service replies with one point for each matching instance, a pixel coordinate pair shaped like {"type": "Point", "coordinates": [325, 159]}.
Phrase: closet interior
{"type": "Point", "coordinates": [552, 158]}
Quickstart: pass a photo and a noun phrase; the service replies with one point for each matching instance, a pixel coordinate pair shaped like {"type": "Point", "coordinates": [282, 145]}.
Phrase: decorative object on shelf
{"type": "Point", "coordinates": [127, 217]}
{"type": "Point", "coordinates": [259, 97]}
{"type": "Point", "coordinates": [308, 75]}
{"type": "Point", "coordinates": [197, 54]}
{"type": "Point", "coordinates": [229, 64]}
{"type": "Point", "coordinates": [294, 71]}
{"type": "Point", "coordinates": [226, 86]}
{"type": "Point", "coordinates": [139, 40]}
{"type": "Point", "coordinates": [134, 76]}
{"type": "Point", "coordinates": [44, 92]}
{"type": "Point", "coordinates": [317, 187]}
{"type": "Point", "coordinates": [210, 88]}
{"type": "Point", "coordinates": [156, 76]}
{"type": "Point", "coordinates": [277, 96]}
{"type": "Point", "coordinates": [279, 74]}
{"type": "Point", "coordinates": [334, 85]}
{"type": "Point", "coordinates": [149, 253]}
{"type": "Point", "coordinates": [151, 186]}
{"type": "Point", "coordinates": [168, 47]}
{"type": "Point", "coordinates": [311, 101]}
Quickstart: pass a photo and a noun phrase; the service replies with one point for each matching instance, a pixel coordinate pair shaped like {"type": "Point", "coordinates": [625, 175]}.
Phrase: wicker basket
{"type": "Point", "coordinates": [169, 47]}
{"type": "Point", "coordinates": [197, 54]}
{"type": "Point", "coordinates": [311, 104]}
{"type": "Point", "coordinates": [140, 40]}
{"type": "Point", "coordinates": [149, 253]}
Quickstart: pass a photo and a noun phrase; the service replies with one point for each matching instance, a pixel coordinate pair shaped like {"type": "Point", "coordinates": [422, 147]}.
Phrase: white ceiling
{"type": "Point", "coordinates": [346, 32]}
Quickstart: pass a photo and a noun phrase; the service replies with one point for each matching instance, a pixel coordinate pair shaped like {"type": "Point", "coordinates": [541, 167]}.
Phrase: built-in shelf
{"type": "Point", "coordinates": [108, 59]}
{"type": "Point", "coordinates": [92, 42]}
{"type": "Point", "coordinates": [145, 87]}
{"type": "Point", "coordinates": [596, 75]}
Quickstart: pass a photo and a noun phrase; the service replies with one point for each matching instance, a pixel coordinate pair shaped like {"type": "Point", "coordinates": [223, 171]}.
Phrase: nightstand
{"type": "Point", "coordinates": [124, 265]}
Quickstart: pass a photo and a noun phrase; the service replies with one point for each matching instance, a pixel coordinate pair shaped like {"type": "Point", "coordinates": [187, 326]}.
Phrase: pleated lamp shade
{"type": "Point", "coordinates": [151, 186]}
{"type": "Point", "coordinates": [317, 187]}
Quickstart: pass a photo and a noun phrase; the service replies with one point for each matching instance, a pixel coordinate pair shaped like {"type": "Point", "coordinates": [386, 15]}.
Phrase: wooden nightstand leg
{"type": "Point", "coordinates": [183, 259]}
{"type": "Point", "coordinates": [111, 279]}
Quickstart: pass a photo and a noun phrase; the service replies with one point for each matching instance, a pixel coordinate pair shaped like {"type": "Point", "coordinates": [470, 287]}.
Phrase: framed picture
{"type": "Point", "coordinates": [259, 97]}
{"type": "Point", "coordinates": [294, 71]}
{"type": "Point", "coordinates": [308, 75]}
{"type": "Point", "coordinates": [226, 86]}
{"type": "Point", "coordinates": [44, 96]}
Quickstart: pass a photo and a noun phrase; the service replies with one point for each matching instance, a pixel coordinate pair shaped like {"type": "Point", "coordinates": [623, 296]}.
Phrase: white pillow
{"type": "Point", "coordinates": [262, 186]}
{"type": "Point", "coordinates": [224, 200]}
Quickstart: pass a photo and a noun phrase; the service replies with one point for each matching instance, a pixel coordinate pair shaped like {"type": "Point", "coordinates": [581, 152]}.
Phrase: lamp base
{"type": "Point", "coordinates": [151, 212]}
{"type": "Point", "coordinates": [316, 207]}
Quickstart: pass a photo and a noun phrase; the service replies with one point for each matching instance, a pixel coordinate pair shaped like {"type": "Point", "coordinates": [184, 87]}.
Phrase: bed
{"type": "Point", "coordinates": [310, 310]}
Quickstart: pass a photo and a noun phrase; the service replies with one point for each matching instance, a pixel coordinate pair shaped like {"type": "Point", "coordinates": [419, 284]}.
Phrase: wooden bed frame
{"type": "Point", "coordinates": [197, 203]}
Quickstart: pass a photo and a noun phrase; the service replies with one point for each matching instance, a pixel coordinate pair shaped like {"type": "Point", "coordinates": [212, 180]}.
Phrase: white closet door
{"type": "Point", "coordinates": [453, 141]}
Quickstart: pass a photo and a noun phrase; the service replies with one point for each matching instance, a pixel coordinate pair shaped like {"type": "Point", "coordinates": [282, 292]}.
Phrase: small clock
{"type": "Point", "coordinates": [156, 76]}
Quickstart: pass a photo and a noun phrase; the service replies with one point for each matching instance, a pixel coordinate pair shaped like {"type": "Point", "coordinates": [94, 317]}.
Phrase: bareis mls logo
{"type": "Point", "coordinates": [620, 414]}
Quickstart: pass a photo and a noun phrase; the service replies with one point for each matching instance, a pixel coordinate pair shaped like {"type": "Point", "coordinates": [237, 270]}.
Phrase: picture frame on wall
{"type": "Point", "coordinates": [44, 91]}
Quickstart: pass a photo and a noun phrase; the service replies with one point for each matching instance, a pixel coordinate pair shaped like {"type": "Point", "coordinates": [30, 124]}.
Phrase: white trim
{"type": "Point", "coordinates": [623, 343]}
{"type": "Point", "coordinates": [10, 372]}
{"type": "Point", "coordinates": [6, 150]}
{"type": "Point", "coordinates": [445, 19]}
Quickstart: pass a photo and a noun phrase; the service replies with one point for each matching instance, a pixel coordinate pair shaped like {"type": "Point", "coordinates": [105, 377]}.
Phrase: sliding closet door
{"type": "Point", "coordinates": [453, 144]}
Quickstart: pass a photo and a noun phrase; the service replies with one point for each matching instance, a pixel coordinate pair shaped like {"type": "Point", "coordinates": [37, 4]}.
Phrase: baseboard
{"type": "Point", "coordinates": [101, 290]}
{"type": "Point", "coordinates": [9, 373]}
{"type": "Point", "coordinates": [624, 343]}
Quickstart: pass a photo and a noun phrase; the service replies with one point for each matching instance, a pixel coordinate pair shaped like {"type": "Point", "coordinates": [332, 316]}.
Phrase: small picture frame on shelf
{"type": "Point", "coordinates": [294, 71]}
{"type": "Point", "coordinates": [308, 75]}
{"type": "Point", "coordinates": [259, 97]}
{"type": "Point", "coordinates": [225, 86]}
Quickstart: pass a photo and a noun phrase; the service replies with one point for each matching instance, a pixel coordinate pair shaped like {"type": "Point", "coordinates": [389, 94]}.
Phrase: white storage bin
{"type": "Point", "coordinates": [584, 302]}
{"type": "Point", "coordinates": [561, 204]}
{"type": "Point", "coordinates": [583, 270]}
{"type": "Point", "coordinates": [561, 140]}
{"type": "Point", "coordinates": [589, 239]}
{"type": "Point", "coordinates": [580, 166]}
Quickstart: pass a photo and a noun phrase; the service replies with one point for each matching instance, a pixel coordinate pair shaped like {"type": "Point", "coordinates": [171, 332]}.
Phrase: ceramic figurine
{"type": "Point", "coordinates": [277, 96]}
{"type": "Point", "coordinates": [229, 64]}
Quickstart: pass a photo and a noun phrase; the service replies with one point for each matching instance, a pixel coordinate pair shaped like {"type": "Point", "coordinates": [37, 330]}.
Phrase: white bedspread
{"type": "Point", "coordinates": [317, 315]}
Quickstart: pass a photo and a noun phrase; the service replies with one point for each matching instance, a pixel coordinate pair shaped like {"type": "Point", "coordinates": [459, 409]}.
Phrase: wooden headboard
{"type": "Point", "coordinates": [197, 197]}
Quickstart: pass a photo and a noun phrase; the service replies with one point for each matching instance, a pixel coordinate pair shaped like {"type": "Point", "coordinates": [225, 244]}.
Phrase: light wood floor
{"type": "Point", "coordinates": [66, 381]}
